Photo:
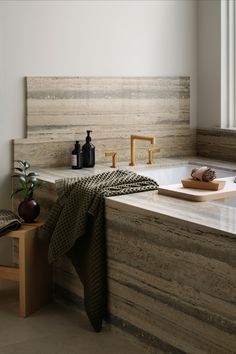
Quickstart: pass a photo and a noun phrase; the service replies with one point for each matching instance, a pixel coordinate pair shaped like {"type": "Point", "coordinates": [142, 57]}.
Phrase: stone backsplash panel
{"type": "Point", "coordinates": [61, 109]}
{"type": "Point", "coordinates": [217, 143]}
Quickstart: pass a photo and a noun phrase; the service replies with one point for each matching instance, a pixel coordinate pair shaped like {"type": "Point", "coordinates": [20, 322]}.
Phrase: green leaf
{"type": "Point", "coordinates": [32, 174]}
{"type": "Point", "coordinates": [22, 180]}
{"type": "Point", "coordinates": [21, 162]}
{"type": "Point", "coordinates": [32, 185]}
{"type": "Point", "coordinates": [17, 191]}
{"type": "Point", "coordinates": [33, 179]}
{"type": "Point", "coordinates": [18, 169]}
{"type": "Point", "coordinates": [25, 165]}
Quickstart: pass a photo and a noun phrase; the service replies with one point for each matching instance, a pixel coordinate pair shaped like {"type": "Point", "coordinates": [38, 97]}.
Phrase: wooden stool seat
{"type": "Point", "coordinates": [34, 274]}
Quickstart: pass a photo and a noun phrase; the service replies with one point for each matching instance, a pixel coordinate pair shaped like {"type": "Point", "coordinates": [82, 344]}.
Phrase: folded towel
{"type": "Point", "coordinates": [8, 221]}
{"type": "Point", "coordinates": [203, 173]}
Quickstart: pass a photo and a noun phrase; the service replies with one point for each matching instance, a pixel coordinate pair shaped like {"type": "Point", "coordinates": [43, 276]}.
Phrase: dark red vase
{"type": "Point", "coordinates": [29, 210]}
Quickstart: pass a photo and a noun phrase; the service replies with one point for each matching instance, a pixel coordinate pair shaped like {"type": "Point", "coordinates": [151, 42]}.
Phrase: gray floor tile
{"type": "Point", "coordinates": [55, 329]}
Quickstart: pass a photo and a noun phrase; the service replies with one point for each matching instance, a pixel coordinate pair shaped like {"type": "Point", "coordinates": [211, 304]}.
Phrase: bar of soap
{"type": "Point", "coordinates": [212, 185]}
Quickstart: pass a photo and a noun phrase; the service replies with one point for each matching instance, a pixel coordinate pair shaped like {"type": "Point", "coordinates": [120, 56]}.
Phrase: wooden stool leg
{"type": "Point", "coordinates": [23, 274]}
{"type": "Point", "coordinates": [27, 250]}
{"type": "Point", "coordinates": [35, 274]}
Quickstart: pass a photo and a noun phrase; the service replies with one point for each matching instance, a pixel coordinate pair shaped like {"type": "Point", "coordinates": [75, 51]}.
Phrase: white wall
{"type": "Point", "coordinates": [208, 64]}
{"type": "Point", "coordinates": [116, 38]}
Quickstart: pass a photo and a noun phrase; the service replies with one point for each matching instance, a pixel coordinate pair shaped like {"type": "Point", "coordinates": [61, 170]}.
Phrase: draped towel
{"type": "Point", "coordinates": [76, 227]}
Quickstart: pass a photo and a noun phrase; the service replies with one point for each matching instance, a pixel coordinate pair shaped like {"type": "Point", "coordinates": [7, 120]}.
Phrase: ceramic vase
{"type": "Point", "coordinates": [29, 210]}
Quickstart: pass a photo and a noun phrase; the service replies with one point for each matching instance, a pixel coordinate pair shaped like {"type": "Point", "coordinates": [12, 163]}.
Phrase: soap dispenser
{"type": "Point", "coordinates": [88, 151]}
{"type": "Point", "coordinates": [77, 157]}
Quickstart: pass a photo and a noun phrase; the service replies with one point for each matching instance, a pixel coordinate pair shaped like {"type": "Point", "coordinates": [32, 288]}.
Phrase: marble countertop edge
{"type": "Point", "coordinates": [219, 217]}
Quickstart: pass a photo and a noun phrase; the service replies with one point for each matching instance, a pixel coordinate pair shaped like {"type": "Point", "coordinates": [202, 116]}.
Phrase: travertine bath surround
{"type": "Point", "coordinates": [171, 267]}
{"type": "Point", "coordinates": [217, 143]}
{"type": "Point", "coordinates": [171, 263]}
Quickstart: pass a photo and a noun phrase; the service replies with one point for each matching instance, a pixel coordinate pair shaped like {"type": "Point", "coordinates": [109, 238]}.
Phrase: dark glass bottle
{"type": "Point", "coordinates": [77, 157]}
{"type": "Point", "coordinates": [88, 151]}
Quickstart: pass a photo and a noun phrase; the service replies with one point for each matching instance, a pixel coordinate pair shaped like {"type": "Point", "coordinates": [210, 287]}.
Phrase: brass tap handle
{"type": "Point", "coordinates": [113, 154]}
{"type": "Point", "coordinates": [150, 155]}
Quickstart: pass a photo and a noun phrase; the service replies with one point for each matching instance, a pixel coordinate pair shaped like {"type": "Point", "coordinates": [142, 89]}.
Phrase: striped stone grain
{"type": "Point", "coordinates": [176, 282]}
{"type": "Point", "coordinates": [57, 153]}
{"type": "Point", "coordinates": [171, 268]}
{"type": "Point", "coordinates": [61, 109]}
{"type": "Point", "coordinates": [217, 143]}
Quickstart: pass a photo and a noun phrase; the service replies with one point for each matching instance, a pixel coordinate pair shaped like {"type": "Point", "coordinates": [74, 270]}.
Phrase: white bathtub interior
{"type": "Point", "coordinates": [171, 175]}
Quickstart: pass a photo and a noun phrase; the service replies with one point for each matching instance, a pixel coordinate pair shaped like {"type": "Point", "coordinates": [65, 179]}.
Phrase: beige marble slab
{"type": "Point", "coordinates": [174, 282]}
{"type": "Point", "coordinates": [61, 109]}
{"type": "Point", "coordinates": [217, 143]}
{"type": "Point", "coordinates": [60, 105]}
{"type": "Point", "coordinates": [218, 215]}
{"type": "Point", "coordinates": [57, 152]}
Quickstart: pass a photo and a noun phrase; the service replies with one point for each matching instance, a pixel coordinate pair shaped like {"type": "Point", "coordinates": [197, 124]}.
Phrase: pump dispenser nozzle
{"type": "Point", "coordinates": [88, 137]}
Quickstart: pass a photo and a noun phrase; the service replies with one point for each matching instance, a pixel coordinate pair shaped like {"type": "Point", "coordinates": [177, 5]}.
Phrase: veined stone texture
{"type": "Point", "coordinates": [217, 143]}
{"type": "Point", "coordinates": [171, 265]}
{"type": "Point", "coordinates": [171, 282]}
{"type": "Point", "coordinates": [61, 109]}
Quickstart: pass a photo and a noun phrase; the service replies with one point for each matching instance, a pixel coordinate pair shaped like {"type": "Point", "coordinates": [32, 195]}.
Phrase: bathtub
{"type": "Point", "coordinates": [172, 175]}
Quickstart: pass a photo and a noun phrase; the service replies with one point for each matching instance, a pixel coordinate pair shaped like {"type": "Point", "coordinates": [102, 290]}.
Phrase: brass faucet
{"type": "Point", "coordinates": [151, 151]}
{"type": "Point", "coordinates": [113, 154]}
{"type": "Point", "coordinates": [133, 139]}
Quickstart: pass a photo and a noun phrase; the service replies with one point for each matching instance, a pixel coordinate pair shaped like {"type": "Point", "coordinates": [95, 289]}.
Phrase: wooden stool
{"type": "Point", "coordinates": [34, 274]}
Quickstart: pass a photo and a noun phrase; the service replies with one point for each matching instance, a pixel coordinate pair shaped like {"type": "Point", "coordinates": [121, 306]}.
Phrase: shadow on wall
{"type": "Point", "coordinates": [6, 149]}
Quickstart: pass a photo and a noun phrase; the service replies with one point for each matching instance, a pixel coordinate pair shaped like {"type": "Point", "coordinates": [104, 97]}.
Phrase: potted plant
{"type": "Point", "coordinates": [28, 209]}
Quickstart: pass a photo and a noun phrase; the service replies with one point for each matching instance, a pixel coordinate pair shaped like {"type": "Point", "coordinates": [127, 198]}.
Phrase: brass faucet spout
{"type": "Point", "coordinates": [143, 137]}
{"type": "Point", "coordinates": [133, 139]}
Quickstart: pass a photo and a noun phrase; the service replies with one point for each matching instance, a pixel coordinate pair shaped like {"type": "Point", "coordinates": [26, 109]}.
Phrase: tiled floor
{"type": "Point", "coordinates": [55, 329]}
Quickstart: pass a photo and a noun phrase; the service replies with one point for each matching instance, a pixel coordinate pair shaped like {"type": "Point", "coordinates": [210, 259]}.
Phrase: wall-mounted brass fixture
{"type": "Point", "coordinates": [151, 152]}
{"type": "Point", "coordinates": [133, 139]}
{"type": "Point", "coordinates": [113, 154]}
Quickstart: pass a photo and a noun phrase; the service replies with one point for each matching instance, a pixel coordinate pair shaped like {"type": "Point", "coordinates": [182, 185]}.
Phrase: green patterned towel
{"type": "Point", "coordinates": [75, 227]}
{"type": "Point", "coordinates": [8, 221]}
